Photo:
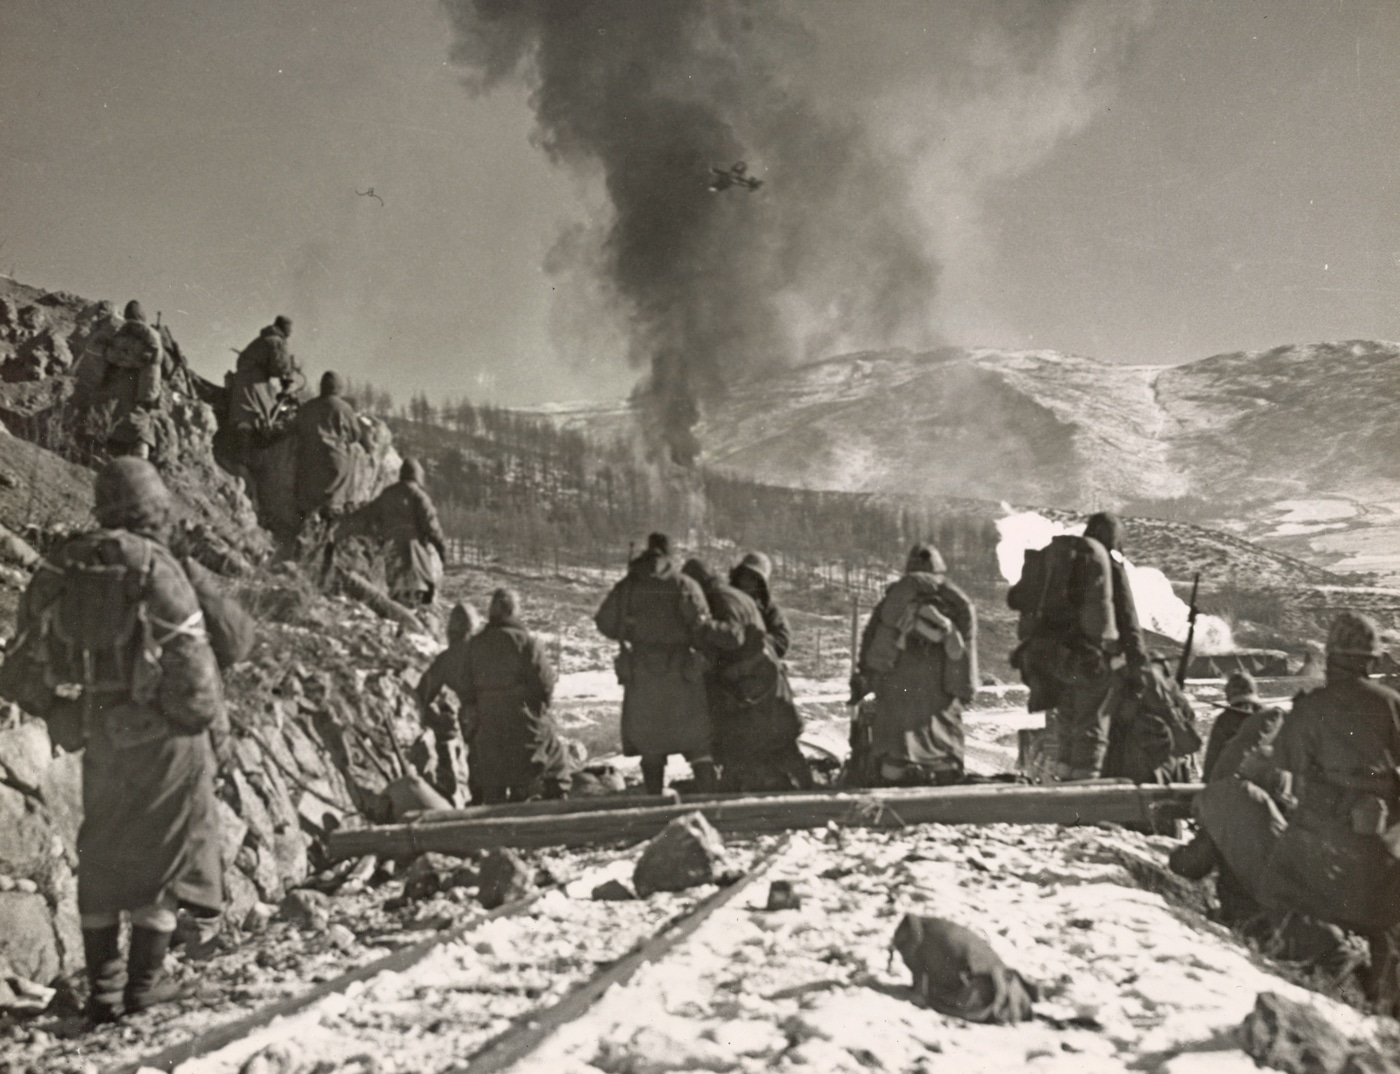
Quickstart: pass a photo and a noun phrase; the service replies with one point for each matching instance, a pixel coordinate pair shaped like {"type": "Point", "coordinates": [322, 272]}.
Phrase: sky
{"type": "Point", "coordinates": [1134, 181]}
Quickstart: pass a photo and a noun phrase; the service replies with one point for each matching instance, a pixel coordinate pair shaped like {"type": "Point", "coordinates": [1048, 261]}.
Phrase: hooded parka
{"type": "Point", "coordinates": [150, 830]}
{"type": "Point", "coordinates": [327, 430]}
{"type": "Point", "coordinates": [403, 515]}
{"type": "Point", "coordinates": [919, 700]}
{"type": "Point", "coordinates": [255, 387]}
{"type": "Point", "coordinates": [656, 612]}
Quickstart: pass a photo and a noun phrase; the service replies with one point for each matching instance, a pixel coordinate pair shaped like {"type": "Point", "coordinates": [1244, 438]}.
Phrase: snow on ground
{"type": "Point", "coordinates": [1130, 980]}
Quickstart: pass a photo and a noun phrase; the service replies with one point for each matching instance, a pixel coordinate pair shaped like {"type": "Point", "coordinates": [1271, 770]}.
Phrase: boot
{"type": "Point", "coordinates": [106, 973]}
{"type": "Point", "coordinates": [706, 779]}
{"type": "Point", "coordinates": [654, 774]}
{"type": "Point", "coordinates": [146, 985]}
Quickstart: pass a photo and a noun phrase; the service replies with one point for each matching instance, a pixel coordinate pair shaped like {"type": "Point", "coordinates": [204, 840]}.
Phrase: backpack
{"type": "Point", "coordinates": [912, 611]}
{"type": "Point", "coordinates": [957, 972]}
{"type": "Point", "coordinates": [89, 639]}
{"type": "Point", "coordinates": [1066, 588]}
{"type": "Point", "coordinates": [1153, 737]}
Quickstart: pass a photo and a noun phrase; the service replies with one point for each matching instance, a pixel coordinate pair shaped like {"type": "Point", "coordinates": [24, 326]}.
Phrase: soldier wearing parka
{"type": "Point", "coordinates": [755, 720]}
{"type": "Point", "coordinates": [128, 370]}
{"type": "Point", "coordinates": [918, 653]}
{"type": "Point", "coordinates": [751, 575]}
{"type": "Point", "coordinates": [1086, 713]}
{"type": "Point", "coordinates": [462, 623]}
{"type": "Point", "coordinates": [656, 613]}
{"type": "Point", "coordinates": [505, 682]}
{"type": "Point", "coordinates": [403, 516]}
{"type": "Point", "coordinates": [149, 841]}
{"type": "Point", "coordinates": [1339, 752]}
{"type": "Point", "coordinates": [265, 367]}
{"type": "Point", "coordinates": [327, 430]}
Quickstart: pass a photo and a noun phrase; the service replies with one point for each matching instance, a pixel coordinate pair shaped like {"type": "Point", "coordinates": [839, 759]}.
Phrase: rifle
{"type": "Point", "coordinates": [1191, 613]}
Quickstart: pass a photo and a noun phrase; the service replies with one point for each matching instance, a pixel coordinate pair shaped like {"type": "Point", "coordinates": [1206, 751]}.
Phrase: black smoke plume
{"type": "Point", "coordinates": [875, 127]}
{"type": "Point", "coordinates": [710, 284]}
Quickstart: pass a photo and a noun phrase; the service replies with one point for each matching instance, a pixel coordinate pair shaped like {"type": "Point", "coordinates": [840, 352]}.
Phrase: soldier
{"type": "Point", "coordinates": [327, 430]}
{"type": "Point", "coordinates": [130, 366]}
{"type": "Point", "coordinates": [403, 515]}
{"type": "Point", "coordinates": [1241, 812]}
{"type": "Point", "coordinates": [133, 435]}
{"type": "Point", "coordinates": [918, 654]}
{"type": "Point", "coordinates": [253, 395]}
{"type": "Point", "coordinates": [462, 622]}
{"type": "Point", "coordinates": [505, 683]}
{"type": "Point", "coordinates": [150, 696]}
{"type": "Point", "coordinates": [1085, 717]}
{"type": "Point", "coordinates": [656, 613]}
{"type": "Point", "coordinates": [751, 576]}
{"type": "Point", "coordinates": [755, 720]}
{"type": "Point", "coordinates": [1338, 751]}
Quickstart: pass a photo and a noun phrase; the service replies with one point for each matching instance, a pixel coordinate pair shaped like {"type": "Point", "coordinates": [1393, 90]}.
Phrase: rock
{"type": "Point", "coordinates": [28, 995]}
{"type": "Point", "coordinates": [1288, 1036]}
{"type": "Point", "coordinates": [258, 917]}
{"type": "Point", "coordinates": [7, 883]}
{"type": "Point", "coordinates": [341, 937]}
{"type": "Point", "coordinates": [782, 896]}
{"type": "Point", "coordinates": [613, 891]}
{"type": "Point", "coordinates": [291, 853]}
{"type": "Point", "coordinates": [27, 940]}
{"type": "Point", "coordinates": [26, 885]}
{"type": "Point", "coordinates": [1369, 1062]}
{"type": "Point", "coordinates": [429, 874]}
{"type": "Point", "coordinates": [358, 875]}
{"type": "Point", "coordinates": [278, 1058]}
{"type": "Point", "coordinates": [504, 878]}
{"type": "Point", "coordinates": [307, 909]}
{"type": "Point", "coordinates": [240, 896]}
{"type": "Point", "coordinates": [688, 852]}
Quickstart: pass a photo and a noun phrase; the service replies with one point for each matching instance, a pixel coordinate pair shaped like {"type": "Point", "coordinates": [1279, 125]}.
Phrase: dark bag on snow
{"type": "Point", "coordinates": [958, 973]}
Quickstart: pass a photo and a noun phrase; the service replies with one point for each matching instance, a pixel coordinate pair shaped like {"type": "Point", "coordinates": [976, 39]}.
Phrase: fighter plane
{"type": "Point", "coordinates": [723, 179]}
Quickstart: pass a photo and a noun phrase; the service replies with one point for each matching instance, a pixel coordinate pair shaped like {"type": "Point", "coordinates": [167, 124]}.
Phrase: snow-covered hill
{"type": "Point", "coordinates": [1297, 446]}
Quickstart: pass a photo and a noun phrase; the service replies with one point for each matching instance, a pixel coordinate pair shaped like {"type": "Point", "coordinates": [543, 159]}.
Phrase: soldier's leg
{"type": "Point", "coordinates": [706, 777]}
{"type": "Point", "coordinates": [151, 929]}
{"type": "Point", "coordinates": [106, 969]}
{"type": "Point", "coordinates": [1089, 726]}
{"type": "Point", "coordinates": [654, 772]}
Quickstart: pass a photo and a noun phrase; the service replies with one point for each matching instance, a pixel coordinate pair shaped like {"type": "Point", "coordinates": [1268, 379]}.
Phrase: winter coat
{"type": "Point", "coordinates": [656, 612]}
{"type": "Point", "coordinates": [751, 703]}
{"type": "Point", "coordinates": [131, 362]}
{"type": "Point", "coordinates": [1125, 616]}
{"type": "Point", "coordinates": [255, 387]}
{"type": "Point", "coordinates": [1240, 815]}
{"type": "Point", "coordinates": [1341, 745]}
{"type": "Point", "coordinates": [150, 825]}
{"type": "Point", "coordinates": [327, 430]}
{"type": "Point", "coordinates": [918, 701]}
{"type": "Point", "coordinates": [505, 682]}
{"type": "Point", "coordinates": [404, 517]}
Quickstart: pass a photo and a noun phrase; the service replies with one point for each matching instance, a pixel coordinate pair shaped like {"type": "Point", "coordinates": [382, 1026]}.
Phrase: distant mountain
{"type": "Point", "coordinates": [1297, 446]}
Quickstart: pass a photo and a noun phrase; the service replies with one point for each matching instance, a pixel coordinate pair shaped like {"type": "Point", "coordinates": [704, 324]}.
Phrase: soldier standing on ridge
{"type": "Point", "coordinates": [253, 395]}
{"type": "Point", "coordinates": [918, 654]}
{"type": "Point", "coordinates": [403, 515]}
{"type": "Point", "coordinates": [130, 368]}
{"type": "Point", "coordinates": [327, 430]}
{"type": "Point", "coordinates": [147, 660]}
{"type": "Point", "coordinates": [656, 613]}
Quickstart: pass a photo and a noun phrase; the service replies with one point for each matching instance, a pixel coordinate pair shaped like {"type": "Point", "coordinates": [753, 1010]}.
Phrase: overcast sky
{"type": "Point", "coordinates": [1227, 179]}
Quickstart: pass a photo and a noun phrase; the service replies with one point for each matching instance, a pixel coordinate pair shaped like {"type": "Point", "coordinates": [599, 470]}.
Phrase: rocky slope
{"type": "Point", "coordinates": [1296, 446]}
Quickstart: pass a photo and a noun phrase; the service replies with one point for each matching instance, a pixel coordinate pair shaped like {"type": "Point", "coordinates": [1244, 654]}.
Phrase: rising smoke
{"type": "Point", "coordinates": [851, 119]}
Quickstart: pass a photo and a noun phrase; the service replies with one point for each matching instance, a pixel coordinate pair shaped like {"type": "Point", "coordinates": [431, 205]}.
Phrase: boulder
{"type": "Point", "coordinates": [27, 940]}
{"type": "Point", "coordinates": [307, 909]}
{"type": "Point", "coordinates": [504, 878]}
{"type": "Point", "coordinates": [1292, 1037]}
{"type": "Point", "coordinates": [687, 852]}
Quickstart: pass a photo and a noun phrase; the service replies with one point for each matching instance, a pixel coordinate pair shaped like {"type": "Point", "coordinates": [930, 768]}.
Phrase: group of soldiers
{"type": "Point", "coordinates": [1300, 815]}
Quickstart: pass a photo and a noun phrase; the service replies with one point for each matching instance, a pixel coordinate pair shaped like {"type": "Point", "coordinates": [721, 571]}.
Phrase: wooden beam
{"type": "Point", "coordinates": [1065, 803]}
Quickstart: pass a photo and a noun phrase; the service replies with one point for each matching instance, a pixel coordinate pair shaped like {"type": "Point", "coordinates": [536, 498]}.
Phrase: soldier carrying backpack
{"type": "Point", "coordinates": [1079, 632]}
{"type": "Point", "coordinates": [114, 651]}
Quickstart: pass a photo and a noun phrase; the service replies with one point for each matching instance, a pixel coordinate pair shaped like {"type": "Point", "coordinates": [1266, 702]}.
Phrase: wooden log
{"type": "Point", "coordinates": [983, 804]}
{"type": "Point", "coordinates": [379, 602]}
